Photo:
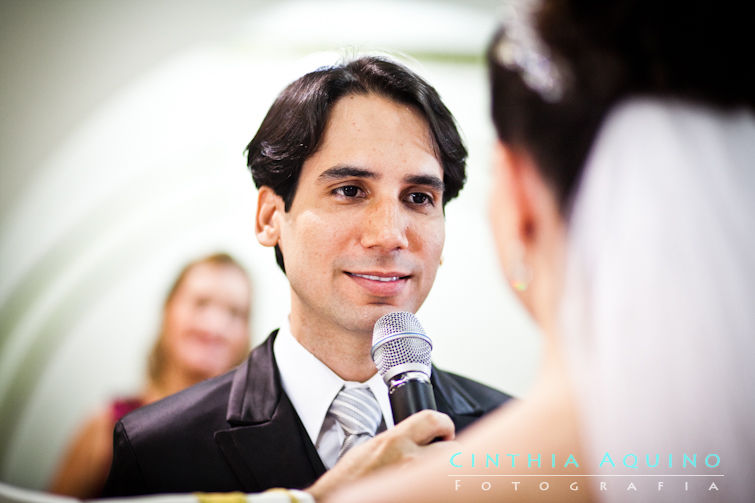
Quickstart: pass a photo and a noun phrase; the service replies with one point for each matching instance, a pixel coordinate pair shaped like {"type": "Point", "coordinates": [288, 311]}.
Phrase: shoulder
{"type": "Point", "coordinates": [198, 406]}
{"type": "Point", "coordinates": [151, 452]}
{"type": "Point", "coordinates": [205, 407]}
{"type": "Point", "coordinates": [453, 384]}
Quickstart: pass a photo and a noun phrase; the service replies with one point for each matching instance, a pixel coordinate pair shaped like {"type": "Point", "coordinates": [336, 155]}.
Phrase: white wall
{"type": "Point", "coordinates": [121, 157]}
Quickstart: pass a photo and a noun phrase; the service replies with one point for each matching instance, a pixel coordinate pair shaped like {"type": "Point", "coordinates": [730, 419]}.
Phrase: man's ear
{"type": "Point", "coordinates": [270, 208]}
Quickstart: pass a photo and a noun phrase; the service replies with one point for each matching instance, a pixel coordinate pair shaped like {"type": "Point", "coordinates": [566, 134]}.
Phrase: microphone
{"type": "Point", "coordinates": [401, 352]}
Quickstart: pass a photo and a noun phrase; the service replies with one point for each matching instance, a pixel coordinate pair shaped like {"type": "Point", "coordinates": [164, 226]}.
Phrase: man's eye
{"type": "Point", "coordinates": [348, 191]}
{"type": "Point", "coordinates": [420, 198]}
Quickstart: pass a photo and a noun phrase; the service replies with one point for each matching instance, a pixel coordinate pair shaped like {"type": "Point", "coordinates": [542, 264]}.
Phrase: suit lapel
{"type": "Point", "coordinates": [266, 445]}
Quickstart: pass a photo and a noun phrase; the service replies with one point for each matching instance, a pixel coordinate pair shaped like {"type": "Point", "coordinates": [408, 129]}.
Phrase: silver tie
{"type": "Point", "coordinates": [359, 415]}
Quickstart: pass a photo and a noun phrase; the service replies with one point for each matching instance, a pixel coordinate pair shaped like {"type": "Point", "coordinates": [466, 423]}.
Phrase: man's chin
{"type": "Point", "coordinates": [368, 315]}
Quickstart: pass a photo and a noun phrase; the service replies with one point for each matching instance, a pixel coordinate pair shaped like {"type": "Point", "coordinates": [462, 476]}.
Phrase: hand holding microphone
{"type": "Point", "coordinates": [401, 351]}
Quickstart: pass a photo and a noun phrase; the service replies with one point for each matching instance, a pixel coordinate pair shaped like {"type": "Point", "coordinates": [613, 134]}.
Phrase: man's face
{"type": "Point", "coordinates": [365, 231]}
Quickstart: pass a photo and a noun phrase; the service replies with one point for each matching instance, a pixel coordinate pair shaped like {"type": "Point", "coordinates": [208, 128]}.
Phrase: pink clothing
{"type": "Point", "coordinates": [122, 406]}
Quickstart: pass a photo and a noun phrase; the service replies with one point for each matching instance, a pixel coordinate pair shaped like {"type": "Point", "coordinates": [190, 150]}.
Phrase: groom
{"type": "Point", "coordinates": [354, 165]}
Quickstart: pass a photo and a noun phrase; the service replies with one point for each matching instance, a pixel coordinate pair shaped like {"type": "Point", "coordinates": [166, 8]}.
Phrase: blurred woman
{"type": "Point", "coordinates": [622, 211]}
{"type": "Point", "coordinates": [204, 332]}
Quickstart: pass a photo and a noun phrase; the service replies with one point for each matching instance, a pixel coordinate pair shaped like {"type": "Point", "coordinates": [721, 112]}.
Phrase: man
{"type": "Point", "coordinates": [354, 165]}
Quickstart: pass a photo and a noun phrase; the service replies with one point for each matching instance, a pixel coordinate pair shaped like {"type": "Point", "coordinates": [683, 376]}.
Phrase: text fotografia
{"type": "Point", "coordinates": [639, 472]}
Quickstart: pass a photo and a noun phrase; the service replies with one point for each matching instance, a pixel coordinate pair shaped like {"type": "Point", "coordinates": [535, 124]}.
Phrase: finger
{"type": "Point", "coordinates": [426, 426]}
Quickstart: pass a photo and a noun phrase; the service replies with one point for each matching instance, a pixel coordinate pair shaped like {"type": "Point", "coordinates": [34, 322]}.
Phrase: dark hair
{"type": "Point", "coordinates": [293, 127]}
{"type": "Point", "coordinates": [610, 51]}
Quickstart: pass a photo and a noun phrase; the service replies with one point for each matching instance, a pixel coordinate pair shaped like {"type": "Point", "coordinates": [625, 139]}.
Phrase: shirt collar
{"type": "Point", "coordinates": [299, 369]}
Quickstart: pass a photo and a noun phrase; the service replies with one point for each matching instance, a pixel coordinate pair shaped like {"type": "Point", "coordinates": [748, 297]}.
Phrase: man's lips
{"type": "Point", "coordinates": [379, 276]}
{"type": "Point", "coordinates": [381, 284]}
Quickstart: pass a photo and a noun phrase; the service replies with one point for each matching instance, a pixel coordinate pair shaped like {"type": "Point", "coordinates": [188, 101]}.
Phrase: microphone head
{"type": "Point", "coordinates": [400, 344]}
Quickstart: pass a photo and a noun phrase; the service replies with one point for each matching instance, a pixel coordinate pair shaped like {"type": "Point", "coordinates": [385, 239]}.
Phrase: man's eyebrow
{"type": "Point", "coordinates": [344, 171]}
{"type": "Point", "coordinates": [428, 180]}
{"type": "Point", "coordinates": [339, 172]}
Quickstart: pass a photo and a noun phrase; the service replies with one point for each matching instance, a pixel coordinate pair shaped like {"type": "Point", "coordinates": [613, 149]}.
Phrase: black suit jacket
{"type": "Point", "coordinates": [239, 432]}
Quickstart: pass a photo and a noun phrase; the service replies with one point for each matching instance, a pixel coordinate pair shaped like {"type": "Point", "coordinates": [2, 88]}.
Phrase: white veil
{"type": "Point", "coordinates": [658, 315]}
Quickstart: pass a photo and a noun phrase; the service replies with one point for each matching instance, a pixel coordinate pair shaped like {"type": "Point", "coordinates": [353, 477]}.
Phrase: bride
{"type": "Point", "coordinates": [622, 209]}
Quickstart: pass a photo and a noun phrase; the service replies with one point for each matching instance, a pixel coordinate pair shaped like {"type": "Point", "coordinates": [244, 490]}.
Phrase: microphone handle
{"type": "Point", "coordinates": [408, 396]}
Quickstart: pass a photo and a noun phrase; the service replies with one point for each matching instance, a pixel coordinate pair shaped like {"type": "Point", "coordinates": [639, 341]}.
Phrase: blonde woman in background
{"type": "Point", "coordinates": [204, 333]}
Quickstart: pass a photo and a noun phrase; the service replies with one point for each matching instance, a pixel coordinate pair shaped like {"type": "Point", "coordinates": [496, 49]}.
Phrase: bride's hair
{"type": "Point", "coordinates": [559, 67]}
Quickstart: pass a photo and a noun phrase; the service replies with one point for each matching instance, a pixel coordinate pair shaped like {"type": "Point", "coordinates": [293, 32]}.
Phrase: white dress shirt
{"type": "Point", "coordinates": [312, 386]}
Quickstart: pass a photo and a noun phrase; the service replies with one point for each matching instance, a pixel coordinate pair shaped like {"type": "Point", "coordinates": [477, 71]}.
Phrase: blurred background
{"type": "Point", "coordinates": [121, 158]}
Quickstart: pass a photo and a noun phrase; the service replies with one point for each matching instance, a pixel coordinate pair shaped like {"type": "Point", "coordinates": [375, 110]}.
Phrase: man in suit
{"type": "Point", "coordinates": [354, 165]}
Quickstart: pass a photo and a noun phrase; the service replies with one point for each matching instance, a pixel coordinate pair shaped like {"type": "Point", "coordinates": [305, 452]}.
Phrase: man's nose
{"type": "Point", "coordinates": [385, 226]}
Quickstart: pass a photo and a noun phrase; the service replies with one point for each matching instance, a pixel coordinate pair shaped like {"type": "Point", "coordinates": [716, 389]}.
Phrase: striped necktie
{"type": "Point", "coordinates": [359, 415]}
